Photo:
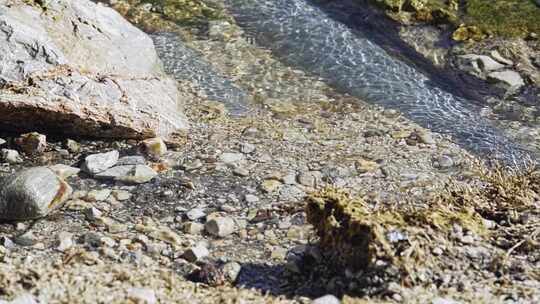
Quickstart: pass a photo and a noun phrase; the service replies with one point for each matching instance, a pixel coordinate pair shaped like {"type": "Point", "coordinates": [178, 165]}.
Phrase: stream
{"type": "Point", "coordinates": [303, 35]}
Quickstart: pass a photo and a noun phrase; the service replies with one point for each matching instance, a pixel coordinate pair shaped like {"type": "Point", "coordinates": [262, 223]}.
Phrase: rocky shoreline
{"type": "Point", "coordinates": [217, 212]}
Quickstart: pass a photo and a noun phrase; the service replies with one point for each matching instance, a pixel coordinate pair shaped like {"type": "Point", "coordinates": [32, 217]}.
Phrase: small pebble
{"type": "Point", "coordinates": [327, 299]}
{"type": "Point", "coordinates": [142, 295]}
{"type": "Point", "coordinates": [196, 253]}
{"type": "Point", "coordinates": [195, 214]}
{"type": "Point", "coordinates": [220, 226]}
{"type": "Point", "coordinates": [154, 147]}
{"type": "Point", "coordinates": [32, 143]}
{"type": "Point", "coordinates": [100, 162]}
{"type": "Point", "coordinates": [11, 156]}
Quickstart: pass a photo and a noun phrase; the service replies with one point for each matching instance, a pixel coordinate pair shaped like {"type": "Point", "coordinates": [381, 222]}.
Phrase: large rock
{"type": "Point", "coordinates": [80, 68]}
{"type": "Point", "coordinates": [31, 193]}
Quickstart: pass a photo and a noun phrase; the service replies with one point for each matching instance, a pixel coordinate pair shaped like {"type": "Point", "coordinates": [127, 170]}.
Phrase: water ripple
{"type": "Point", "coordinates": [303, 35]}
{"type": "Point", "coordinates": [187, 64]}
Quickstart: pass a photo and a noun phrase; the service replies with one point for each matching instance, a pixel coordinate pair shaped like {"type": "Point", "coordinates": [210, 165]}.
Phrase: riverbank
{"type": "Point", "coordinates": [222, 217]}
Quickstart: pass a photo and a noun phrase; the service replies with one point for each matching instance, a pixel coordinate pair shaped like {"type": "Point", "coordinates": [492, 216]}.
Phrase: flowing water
{"type": "Point", "coordinates": [302, 35]}
{"type": "Point", "coordinates": [187, 64]}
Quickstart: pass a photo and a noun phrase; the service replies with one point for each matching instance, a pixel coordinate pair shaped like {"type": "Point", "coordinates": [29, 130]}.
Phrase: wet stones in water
{"type": "Point", "coordinates": [31, 193]}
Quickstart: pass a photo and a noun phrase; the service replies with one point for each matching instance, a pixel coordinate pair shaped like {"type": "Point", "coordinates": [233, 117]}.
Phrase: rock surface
{"type": "Point", "coordinates": [100, 162]}
{"type": "Point", "coordinates": [80, 68]}
{"type": "Point", "coordinates": [31, 193]}
{"type": "Point", "coordinates": [511, 78]}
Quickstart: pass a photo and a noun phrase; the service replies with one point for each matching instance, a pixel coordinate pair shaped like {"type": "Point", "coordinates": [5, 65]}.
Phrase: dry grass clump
{"type": "Point", "coordinates": [499, 209]}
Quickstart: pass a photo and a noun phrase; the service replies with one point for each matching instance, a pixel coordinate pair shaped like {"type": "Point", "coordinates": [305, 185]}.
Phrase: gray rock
{"type": "Point", "coordinates": [444, 162]}
{"type": "Point", "coordinates": [154, 147]}
{"type": "Point", "coordinates": [32, 143]}
{"type": "Point", "coordinates": [485, 63]}
{"type": "Point", "coordinates": [193, 228]}
{"type": "Point", "coordinates": [509, 77]}
{"type": "Point", "coordinates": [327, 299]}
{"type": "Point", "coordinates": [192, 165]}
{"type": "Point", "coordinates": [196, 253]}
{"type": "Point", "coordinates": [443, 301]}
{"type": "Point", "coordinates": [92, 214]}
{"type": "Point", "coordinates": [139, 174]}
{"type": "Point", "coordinates": [231, 271]}
{"type": "Point", "coordinates": [250, 198]}
{"type": "Point", "coordinates": [2, 141]}
{"type": "Point", "coordinates": [247, 148]}
{"type": "Point", "coordinates": [97, 195]}
{"type": "Point", "coordinates": [231, 158]}
{"type": "Point", "coordinates": [7, 242]}
{"type": "Point", "coordinates": [64, 171]}
{"type": "Point", "coordinates": [22, 299]}
{"type": "Point", "coordinates": [289, 179]}
{"type": "Point", "coordinates": [142, 295]}
{"type": "Point", "coordinates": [72, 146]}
{"type": "Point", "coordinates": [26, 239]}
{"type": "Point", "coordinates": [497, 56]}
{"type": "Point", "coordinates": [115, 172]}
{"type": "Point", "coordinates": [291, 193]}
{"type": "Point", "coordinates": [309, 179]}
{"type": "Point", "coordinates": [131, 160]}
{"type": "Point", "coordinates": [11, 156]}
{"type": "Point", "coordinates": [121, 195]}
{"type": "Point", "coordinates": [65, 241]}
{"type": "Point", "coordinates": [97, 163]}
{"type": "Point", "coordinates": [195, 214]}
{"type": "Point", "coordinates": [220, 226]}
{"type": "Point", "coordinates": [425, 137]}
{"type": "Point", "coordinates": [32, 193]}
{"type": "Point", "coordinates": [241, 171]}
{"type": "Point", "coordinates": [87, 72]}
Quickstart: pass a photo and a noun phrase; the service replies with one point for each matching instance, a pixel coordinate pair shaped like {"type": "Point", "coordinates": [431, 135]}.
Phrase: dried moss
{"type": "Point", "coordinates": [357, 235]}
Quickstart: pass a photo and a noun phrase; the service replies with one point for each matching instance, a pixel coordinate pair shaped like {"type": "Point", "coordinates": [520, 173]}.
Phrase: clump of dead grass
{"type": "Point", "coordinates": [498, 204]}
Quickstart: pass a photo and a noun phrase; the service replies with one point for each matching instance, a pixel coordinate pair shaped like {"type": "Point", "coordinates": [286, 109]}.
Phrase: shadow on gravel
{"type": "Point", "coordinates": [315, 279]}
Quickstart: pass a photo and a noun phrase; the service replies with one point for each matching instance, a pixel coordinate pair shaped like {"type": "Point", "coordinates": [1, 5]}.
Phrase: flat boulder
{"type": "Point", "coordinates": [77, 67]}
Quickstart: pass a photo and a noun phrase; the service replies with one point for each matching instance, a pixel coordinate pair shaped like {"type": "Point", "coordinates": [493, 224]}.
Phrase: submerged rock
{"type": "Point", "coordinates": [81, 69]}
{"type": "Point", "coordinates": [31, 193]}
